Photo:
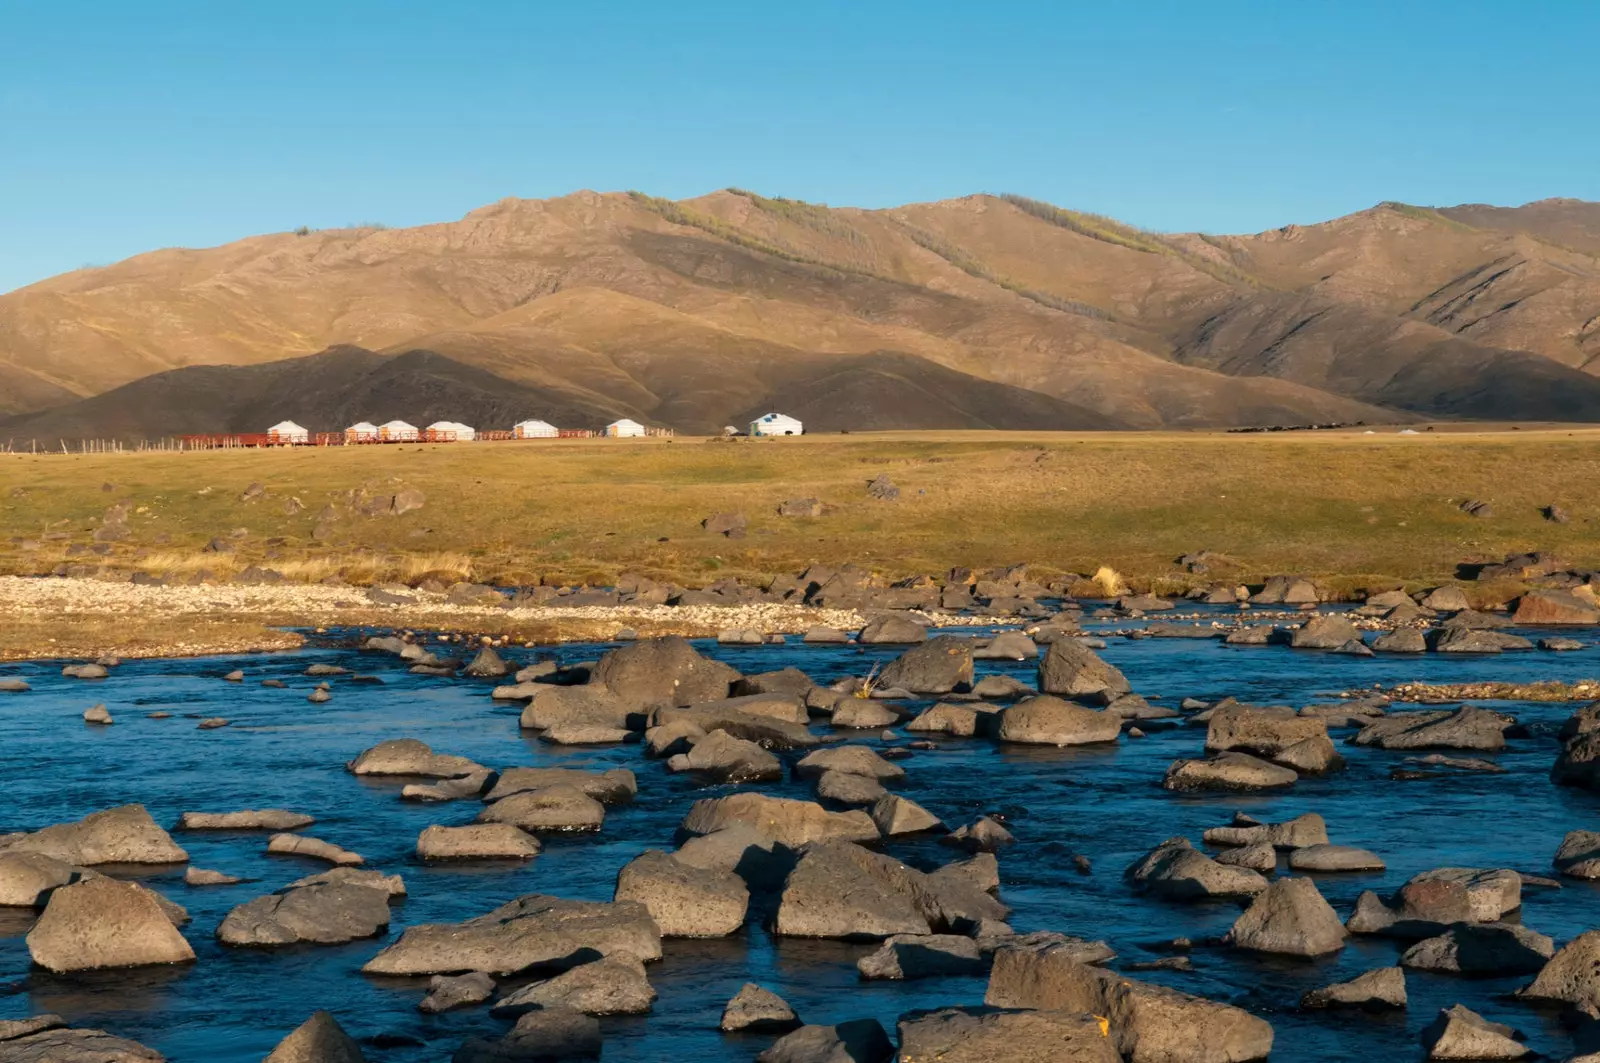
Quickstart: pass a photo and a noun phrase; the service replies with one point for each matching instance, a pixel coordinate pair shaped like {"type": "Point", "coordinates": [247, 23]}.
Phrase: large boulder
{"type": "Point", "coordinates": [1433, 900]}
{"type": "Point", "coordinates": [850, 789]}
{"type": "Point", "coordinates": [949, 718]}
{"type": "Point", "coordinates": [46, 1039]}
{"type": "Point", "coordinates": [324, 914]}
{"type": "Point", "coordinates": [840, 890]}
{"type": "Point", "coordinates": [1289, 917]}
{"type": "Point", "coordinates": [1554, 608]}
{"type": "Point", "coordinates": [756, 1010]}
{"type": "Point", "coordinates": [26, 879]}
{"type": "Point", "coordinates": [1572, 976]}
{"type": "Point", "coordinates": [1147, 1023]}
{"type": "Point", "coordinates": [1450, 638]}
{"type": "Point", "coordinates": [555, 808]}
{"type": "Point", "coordinates": [1578, 856]}
{"type": "Point", "coordinates": [1264, 732]}
{"type": "Point", "coordinates": [720, 757]}
{"type": "Point", "coordinates": [1050, 721]}
{"type": "Point", "coordinates": [476, 841]}
{"type": "Point", "coordinates": [1238, 772]}
{"type": "Point", "coordinates": [408, 756]}
{"type": "Point", "coordinates": [1176, 870]}
{"type": "Point", "coordinates": [852, 760]}
{"type": "Point", "coordinates": [1073, 670]}
{"type": "Point", "coordinates": [939, 666]}
{"type": "Point", "coordinates": [1481, 949]}
{"type": "Point", "coordinates": [122, 835]}
{"type": "Point", "coordinates": [614, 985]}
{"type": "Point", "coordinates": [532, 931]}
{"type": "Point", "coordinates": [684, 900]}
{"type": "Point", "coordinates": [1578, 764]}
{"type": "Point", "coordinates": [567, 707]}
{"type": "Point", "coordinates": [1007, 646]}
{"type": "Point", "coordinates": [977, 1035]}
{"type": "Point", "coordinates": [1372, 991]}
{"type": "Point", "coordinates": [1324, 633]}
{"type": "Point", "coordinates": [662, 671]}
{"type": "Point", "coordinates": [103, 922]}
{"type": "Point", "coordinates": [739, 848]}
{"type": "Point", "coordinates": [1463, 728]}
{"type": "Point", "coordinates": [785, 821]}
{"type": "Point", "coordinates": [896, 815]}
{"type": "Point", "coordinates": [1461, 1033]}
{"type": "Point", "coordinates": [320, 1039]}
{"type": "Point", "coordinates": [1334, 858]}
{"type": "Point", "coordinates": [614, 786]}
{"type": "Point", "coordinates": [857, 1041]}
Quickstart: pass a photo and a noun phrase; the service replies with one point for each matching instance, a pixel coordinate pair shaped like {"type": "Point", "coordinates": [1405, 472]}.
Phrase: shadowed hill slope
{"type": "Point", "coordinates": [338, 387]}
{"type": "Point", "coordinates": [691, 313]}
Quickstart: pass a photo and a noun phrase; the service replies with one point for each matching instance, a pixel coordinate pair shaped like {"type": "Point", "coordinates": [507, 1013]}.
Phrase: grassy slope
{"type": "Point", "coordinates": [1330, 504]}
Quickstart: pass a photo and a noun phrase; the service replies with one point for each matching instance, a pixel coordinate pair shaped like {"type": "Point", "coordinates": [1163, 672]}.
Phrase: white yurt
{"type": "Point", "coordinates": [624, 429]}
{"type": "Point", "coordinates": [535, 430]}
{"type": "Point", "coordinates": [776, 424]}
{"type": "Point", "coordinates": [288, 432]}
{"type": "Point", "coordinates": [361, 432]}
{"type": "Point", "coordinates": [397, 432]}
{"type": "Point", "coordinates": [451, 432]}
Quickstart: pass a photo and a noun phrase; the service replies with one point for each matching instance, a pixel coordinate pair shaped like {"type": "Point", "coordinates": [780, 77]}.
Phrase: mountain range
{"type": "Point", "coordinates": [984, 311]}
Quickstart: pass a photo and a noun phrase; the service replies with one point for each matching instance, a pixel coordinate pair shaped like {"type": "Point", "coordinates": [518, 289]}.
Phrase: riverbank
{"type": "Point", "coordinates": [87, 618]}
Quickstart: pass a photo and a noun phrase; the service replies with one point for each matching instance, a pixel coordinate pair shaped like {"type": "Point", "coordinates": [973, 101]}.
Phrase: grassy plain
{"type": "Point", "coordinates": [1341, 505]}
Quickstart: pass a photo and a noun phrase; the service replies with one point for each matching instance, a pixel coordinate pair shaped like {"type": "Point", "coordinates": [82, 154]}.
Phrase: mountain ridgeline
{"type": "Point", "coordinates": [980, 312]}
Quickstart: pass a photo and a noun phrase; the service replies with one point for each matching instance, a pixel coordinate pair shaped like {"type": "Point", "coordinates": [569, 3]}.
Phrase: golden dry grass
{"type": "Point", "coordinates": [1362, 508]}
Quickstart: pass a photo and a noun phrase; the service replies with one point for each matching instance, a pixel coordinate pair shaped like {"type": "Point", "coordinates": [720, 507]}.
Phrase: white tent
{"type": "Point", "coordinates": [624, 428]}
{"type": "Point", "coordinates": [535, 430]}
{"type": "Point", "coordinates": [361, 432]}
{"type": "Point", "coordinates": [451, 432]}
{"type": "Point", "coordinates": [776, 424]}
{"type": "Point", "coordinates": [288, 432]}
{"type": "Point", "coordinates": [397, 431]}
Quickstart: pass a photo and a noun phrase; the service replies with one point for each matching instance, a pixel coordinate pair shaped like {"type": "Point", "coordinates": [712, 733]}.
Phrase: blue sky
{"type": "Point", "coordinates": [126, 127]}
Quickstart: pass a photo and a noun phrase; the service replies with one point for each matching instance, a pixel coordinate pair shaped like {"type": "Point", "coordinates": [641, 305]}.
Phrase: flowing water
{"type": "Point", "coordinates": [233, 1005]}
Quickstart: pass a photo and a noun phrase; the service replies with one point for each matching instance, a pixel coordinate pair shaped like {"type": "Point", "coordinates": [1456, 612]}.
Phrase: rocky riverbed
{"type": "Point", "coordinates": [732, 832]}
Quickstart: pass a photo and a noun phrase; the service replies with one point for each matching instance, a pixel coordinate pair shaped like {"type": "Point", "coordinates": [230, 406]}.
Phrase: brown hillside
{"type": "Point", "coordinates": [691, 313]}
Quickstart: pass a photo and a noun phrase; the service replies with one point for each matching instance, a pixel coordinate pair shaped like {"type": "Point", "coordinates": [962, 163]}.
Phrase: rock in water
{"type": "Point", "coordinates": [315, 848]}
{"type": "Point", "coordinates": [1554, 608]}
{"type": "Point", "coordinates": [324, 914]}
{"type": "Point", "coordinates": [757, 1010]}
{"type": "Point", "coordinates": [1460, 1033]}
{"type": "Point", "coordinates": [974, 1035]}
{"type": "Point", "coordinates": [1178, 871]}
{"type": "Point", "coordinates": [892, 629]}
{"type": "Point", "coordinates": [896, 815]}
{"type": "Point", "coordinates": [530, 931]}
{"type": "Point", "coordinates": [1324, 633]}
{"type": "Point", "coordinates": [476, 841]}
{"type": "Point", "coordinates": [909, 956]}
{"type": "Point", "coordinates": [545, 1034]}
{"type": "Point", "coordinates": [857, 1041]}
{"type": "Point", "coordinates": [1072, 670]}
{"type": "Point", "coordinates": [1373, 991]}
{"type": "Point", "coordinates": [1289, 917]}
{"type": "Point", "coordinates": [662, 671]}
{"type": "Point", "coordinates": [555, 808]}
{"type": "Point", "coordinates": [97, 714]}
{"type": "Point", "coordinates": [407, 756]}
{"type": "Point", "coordinates": [1147, 1023]}
{"type": "Point", "coordinates": [1046, 720]}
{"type": "Point", "coordinates": [1228, 771]}
{"type": "Point", "coordinates": [1572, 976]}
{"type": "Point", "coordinates": [488, 664]}
{"type": "Point", "coordinates": [685, 901]}
{"type": "Point", "coordinates": [45, 1039]}
{"type": "Point", "coordinates": [320, 1039]}
{"type": "Point", "coordinates": [1481, 949]}
{"type": "Point", "coordinates": [786, 821]}
{"type": "Point", "coordinates": [456, 991]}
{"type": "Point", "coordinates": [123, 835]}
{"type": "Point", "coordinates": [1334, 858]}
{"type": "Point", "coordinates": [615, 985]}
{"type": "Point", "coordinates": [102, 922]}
{"type": "Point", "coordinates": [851, 759]}
{"type": "Point", "coordinates": [273, 819]}
{"type": "Point", "coordinates": [26, 879]}
{"type": "Point", "coordinates": [939, 666]}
